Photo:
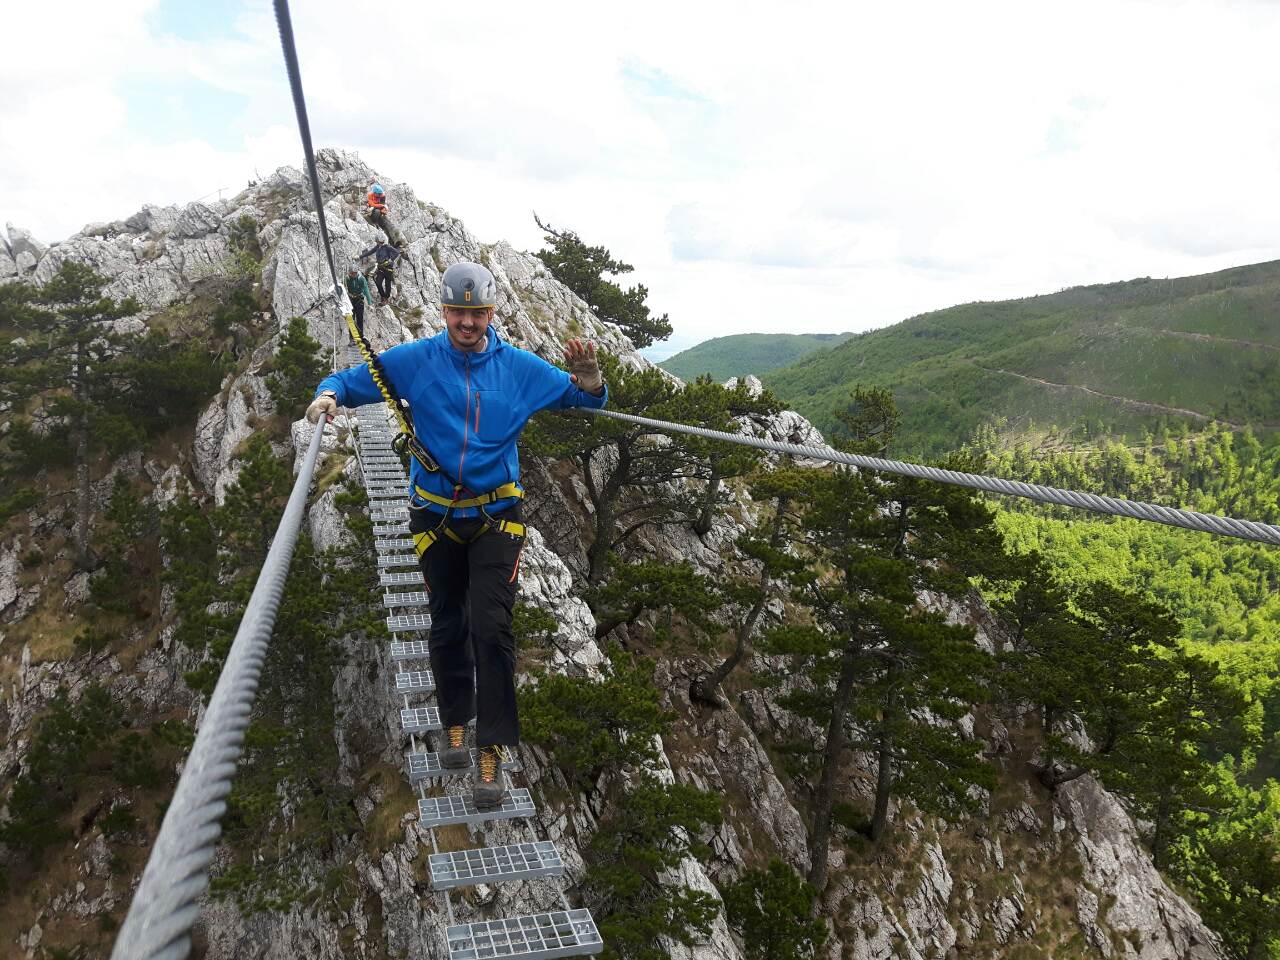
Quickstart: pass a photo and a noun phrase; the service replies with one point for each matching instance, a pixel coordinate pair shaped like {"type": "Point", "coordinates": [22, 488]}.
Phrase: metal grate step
{"type": "Point", "coordinates": [390, 546]}
{"type": "Point", "coordinates": [460, 808]}
{"type": "Point", "coordinates": [538, 936]}
{"type": "Point", "coordinates": [398, 560]}
{"type": "Point", "coordinates": [390, 529]}
{"type": "Point", "coordinates": [427, 766]}
{"type": "Point", "coordinates": [411, 579]}
{"type": "Point", "coordinates": [417, 598]}
{"type": "Point", "coordinates": [386, 516]}
{"type": "Point", "coordinates": [383, 491]}
{"type": "Point", "coordinates": [415, 681]}
{"type": "Point", "coordinates": [420, 719]}
{"type": "Point", "coordinates": [409, 650]}
{"type": "Point", "coordinates": [515, 861]}
{"type": "Point", "coordinates": [409, 623]}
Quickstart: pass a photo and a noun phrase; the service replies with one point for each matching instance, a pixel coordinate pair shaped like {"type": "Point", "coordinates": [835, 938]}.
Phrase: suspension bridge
{"type": "Point", "coordinates": [166, 905]}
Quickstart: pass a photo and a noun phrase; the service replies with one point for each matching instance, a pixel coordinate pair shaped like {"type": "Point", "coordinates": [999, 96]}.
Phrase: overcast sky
{"type": "Point", "coordinates": [794, 167]}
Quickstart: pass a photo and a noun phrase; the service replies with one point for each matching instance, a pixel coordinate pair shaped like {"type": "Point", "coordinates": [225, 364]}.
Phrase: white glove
{"type": "Point", "coordinates": [322, 406]}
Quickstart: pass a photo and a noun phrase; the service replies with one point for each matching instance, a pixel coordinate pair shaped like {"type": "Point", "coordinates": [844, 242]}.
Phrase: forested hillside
{"type": "Point", "coordinates": [748, 353]}
{"type": "Point", "coordinates": [1223, 595]}
{"type": "Point", "coordinates": [1112, 358]}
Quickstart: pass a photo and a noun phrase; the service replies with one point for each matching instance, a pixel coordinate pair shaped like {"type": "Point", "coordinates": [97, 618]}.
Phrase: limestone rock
{"type": "Point", "coordinates": [1116, 864]}
{"type": "Point", "coordinates": [21, 241]}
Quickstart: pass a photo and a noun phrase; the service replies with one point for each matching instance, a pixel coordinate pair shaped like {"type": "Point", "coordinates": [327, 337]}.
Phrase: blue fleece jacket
{"type": "Point", "coordinates": [468, 408]}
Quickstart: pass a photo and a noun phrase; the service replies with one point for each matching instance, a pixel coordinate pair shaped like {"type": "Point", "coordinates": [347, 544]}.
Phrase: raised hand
{"type": "Point", "coordinates": [584, 370]}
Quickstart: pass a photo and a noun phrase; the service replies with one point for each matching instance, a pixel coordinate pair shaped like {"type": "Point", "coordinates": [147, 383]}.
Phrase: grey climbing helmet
{"type": "Point", "coordinates": [468, 285]}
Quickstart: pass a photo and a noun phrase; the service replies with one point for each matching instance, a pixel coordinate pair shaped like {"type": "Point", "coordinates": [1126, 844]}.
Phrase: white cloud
{"type": "Point", "coordinates": [818, 166]}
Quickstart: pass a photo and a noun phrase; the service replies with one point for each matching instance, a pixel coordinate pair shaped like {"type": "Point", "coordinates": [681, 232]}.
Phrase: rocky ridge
{"type": "Point", "coordinates": [1069, 868]}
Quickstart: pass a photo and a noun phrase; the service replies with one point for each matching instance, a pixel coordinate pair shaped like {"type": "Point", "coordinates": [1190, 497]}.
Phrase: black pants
{"type": "Point", "coordinates": [382, 280]}
{"type": "Point", "coordinates": [473, 651]}
{"type": "Point", "coordinates": [357, 311]}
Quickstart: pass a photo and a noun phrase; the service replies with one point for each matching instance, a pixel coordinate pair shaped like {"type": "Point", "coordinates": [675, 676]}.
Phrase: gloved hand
{"type": "Point", "coordinates": [583, 368]}
{"type": "Point", "coordinates": [322, 406]}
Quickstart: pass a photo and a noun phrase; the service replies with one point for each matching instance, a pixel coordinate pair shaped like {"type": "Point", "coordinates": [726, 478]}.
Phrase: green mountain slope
{"type": "Point", "coordinates": [1115, 357]}
{"type": "Point", "coordinates": [744, 353]}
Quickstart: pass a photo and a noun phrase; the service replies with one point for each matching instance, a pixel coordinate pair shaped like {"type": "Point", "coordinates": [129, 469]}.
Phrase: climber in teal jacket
{"type": "Point", "coordinates": [470, 394]}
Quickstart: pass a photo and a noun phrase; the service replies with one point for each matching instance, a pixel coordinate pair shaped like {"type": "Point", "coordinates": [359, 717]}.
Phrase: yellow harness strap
{"type": "Point", "coordinates": [502, 493]}
{"type": "Point", "coordinates": [423, 541]}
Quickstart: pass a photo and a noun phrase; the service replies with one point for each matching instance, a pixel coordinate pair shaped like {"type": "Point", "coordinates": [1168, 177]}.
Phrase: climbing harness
{"type": "Point", "coordinates": [490, 524]}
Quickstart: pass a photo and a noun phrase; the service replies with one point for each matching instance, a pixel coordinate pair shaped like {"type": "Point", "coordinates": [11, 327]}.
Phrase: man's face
{"type": "Point", "coordinates": [466, 327]}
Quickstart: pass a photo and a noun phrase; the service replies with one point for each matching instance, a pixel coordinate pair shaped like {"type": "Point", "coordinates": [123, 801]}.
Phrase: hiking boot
{"type": "Point", "coordinates": [456, 756]}
{"type": "Point", "coordinates": [490, 785]}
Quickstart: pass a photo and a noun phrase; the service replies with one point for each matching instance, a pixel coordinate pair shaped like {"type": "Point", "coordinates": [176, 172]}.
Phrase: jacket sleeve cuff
{"type": "Point", "coordinates": [591, 400]}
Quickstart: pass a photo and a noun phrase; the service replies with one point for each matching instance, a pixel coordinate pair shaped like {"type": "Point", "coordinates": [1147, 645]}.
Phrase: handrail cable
{"type": "Point", "coordinates": [164, 909]}
{"type": "Point", "coordinates": [166, 904]}
{"type": "Point", "coordinates": [1097, 503]}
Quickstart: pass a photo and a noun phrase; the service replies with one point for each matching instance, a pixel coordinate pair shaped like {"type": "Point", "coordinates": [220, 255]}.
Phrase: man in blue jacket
{"type": "Point", "coordinates": [470, 394]}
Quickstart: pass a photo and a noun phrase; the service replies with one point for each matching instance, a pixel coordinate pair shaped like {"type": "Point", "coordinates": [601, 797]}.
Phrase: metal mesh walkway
{"type": "Point", "coordinates": [560, 933]}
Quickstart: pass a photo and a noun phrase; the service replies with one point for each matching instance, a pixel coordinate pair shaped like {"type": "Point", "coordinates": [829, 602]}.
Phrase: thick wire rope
{"type": "Point", "coordinates": [1096, 503]}
{"type": "Point", "coordinates": [166, 905]}
{"type": "Point", "coordinates": [158, 925]}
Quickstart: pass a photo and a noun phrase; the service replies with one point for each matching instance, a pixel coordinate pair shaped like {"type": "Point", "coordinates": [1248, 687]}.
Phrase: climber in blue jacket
{"type": "Point", "coordinates": [470, 394]}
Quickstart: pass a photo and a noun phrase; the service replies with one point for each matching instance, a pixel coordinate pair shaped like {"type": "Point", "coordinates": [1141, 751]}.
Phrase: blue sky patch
{"type": "Point", "coordinates": [166, 110]}
{"type": "Point", "coordinates": [196, 20]}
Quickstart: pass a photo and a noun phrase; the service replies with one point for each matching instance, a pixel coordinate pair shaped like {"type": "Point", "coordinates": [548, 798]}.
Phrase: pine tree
{"type": "Point", "coordinates": [1232, 868]}
{"type": "Point", "coordinates": [71, 356]}
{"type": "Point", "coordinates": [131, 522]}
{"type": "Point", "coordinates": [1104, 669]}
{"type": "Point", "coordinates": [777, 492]}
{"type": "Point", "coordinates": [621, 461]}
{"type": "Point", "coordinates": [772, 909]}
{"type": "Point", "coordinates": [596, 728]}
{"type": "Point", "coordinates": [582, 269]}
{"type": "Point", "coordinates": [648, 833]}
{"type": "Point", "coordinates": [887, 675]}
{"type": "Point", "coordinates": [705, 403]}
{"type": "Point", "coordinates": [654, 585]}
{"type": "Point", "coordinates": [298, 368]}
{"type": "Point", "coordinates": [1168, 773]}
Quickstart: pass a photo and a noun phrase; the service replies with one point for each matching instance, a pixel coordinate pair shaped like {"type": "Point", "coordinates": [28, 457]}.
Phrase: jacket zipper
{"type": "Point", "coordinates": [466, 417]}
{"type": "Point", "coordinates": [477, 414]}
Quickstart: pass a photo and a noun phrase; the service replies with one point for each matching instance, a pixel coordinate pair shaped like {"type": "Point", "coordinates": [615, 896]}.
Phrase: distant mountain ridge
{"type": "Point", "coordinates": [1119, 357]}
{"type": "Point", "coordinates": [744, 353]}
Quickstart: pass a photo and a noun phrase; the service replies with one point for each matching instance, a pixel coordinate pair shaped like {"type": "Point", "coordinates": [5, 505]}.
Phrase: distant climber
{"type": "Point", "coordinates": [471, 394]}
{"type": "Point", "coordinates": [385, 256]}
{"type": "Point", "coordinates": [376, 212]}
{"type": "Point", "coordinates": [358, 293]}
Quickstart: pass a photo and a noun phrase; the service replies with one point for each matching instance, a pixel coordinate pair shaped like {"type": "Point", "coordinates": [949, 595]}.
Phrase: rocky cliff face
{"type": "Point", "coordinates": [1052, 876]}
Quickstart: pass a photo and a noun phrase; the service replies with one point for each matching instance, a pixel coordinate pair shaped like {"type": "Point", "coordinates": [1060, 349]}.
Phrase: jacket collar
{"type": "Point", "coordinates": [493, 345]}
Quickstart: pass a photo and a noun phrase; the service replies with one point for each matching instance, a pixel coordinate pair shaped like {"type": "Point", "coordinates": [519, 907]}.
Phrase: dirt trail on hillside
{"type": "Point", "coordinates": [1212, 339]}
{"type": "Point", "coordinates": [1127, 401]}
